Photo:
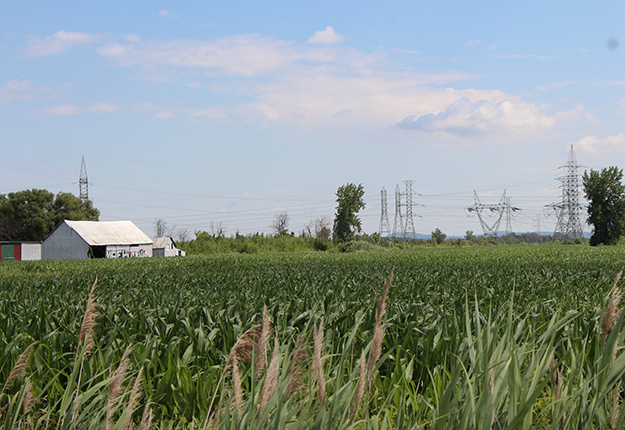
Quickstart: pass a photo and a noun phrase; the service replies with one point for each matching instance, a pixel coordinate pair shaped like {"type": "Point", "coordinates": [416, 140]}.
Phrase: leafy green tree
{"type": "Point", "coordinates": [438, 236]}
{"type": "Point", "coordinates": [350, 201]}
{"type": "Point", "coordinates": [32, 214]}
{"type": "Point", "coordinates": [605, 193]}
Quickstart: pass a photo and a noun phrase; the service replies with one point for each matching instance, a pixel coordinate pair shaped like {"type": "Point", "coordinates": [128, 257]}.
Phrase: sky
{"type": "Point", "coordinates": [207, 113]}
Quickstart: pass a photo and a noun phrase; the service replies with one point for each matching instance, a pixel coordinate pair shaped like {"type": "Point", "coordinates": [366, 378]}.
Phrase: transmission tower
{"type": "Point", "coordinates": [496, 211]}
{"type": "Point", "coordinates": [385, 226]}
{"type": "Point", "coordinates": [398, 224]}
{"type": "Point", "coordinates": [409, 223]}
{"type": "Point", "coordinates": [568, 224]}
{"type": "Point", "coordinates": [83, 182]}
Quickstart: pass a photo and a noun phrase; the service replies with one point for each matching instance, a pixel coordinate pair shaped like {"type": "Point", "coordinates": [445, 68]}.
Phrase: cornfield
{"type": "Point", "coordinates": [491, 338]}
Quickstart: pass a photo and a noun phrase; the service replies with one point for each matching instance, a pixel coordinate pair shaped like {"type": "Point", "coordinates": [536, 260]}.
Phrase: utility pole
{"type": "Point", "coordinates": [398, 224]}
{"type": "Point", "coordinates": [409, 224]}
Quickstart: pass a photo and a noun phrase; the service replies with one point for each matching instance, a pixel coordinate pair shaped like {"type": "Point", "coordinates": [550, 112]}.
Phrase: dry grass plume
{"type": "Point", "coordinates": [133, 401]}
{"type": "Point", "coordinates": [317, 362]}
{"type": "Point", "coordinates": [88, 322]}
{"type": "Point", "coordinates": [299, 357]}
{"type": "Point", "coordinates": [20, 367]}
{"type": "Point", "coordinates": [271, 379]}
{"type": "Point", "coordinates": [260, 351]}
{"type": "Point", "coordinates": [613, 311]}
{"type": "Point", "coordinates": [379, 329]}
{"type": "Point", "coordinates": [115, 389]}
{"type": "Point", "coordinates": [360, 388]}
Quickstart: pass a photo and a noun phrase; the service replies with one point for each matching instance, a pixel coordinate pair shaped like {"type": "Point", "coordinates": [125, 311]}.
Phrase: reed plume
{"type": "Point", "coordinates": [360, 388]}
{"type": "Point", "coordinates": [317, 364]}
{"type": "Point", "coordinates": [115, 387]}
{"type": "Point", "coordinates": [299, 357]}
{"type": "Point", "coordinates": [379, 329]}
{"type": "Point", "coordinates": [29, 398]}
{"type": "Point", "coordinates": [88, 322]}
{"type": "Point", "coordinates": [20, 367]}
{"type": "Point", "coordinates": [271, 379]}
{"type": "Point", "coordinates": [146, 418]}
{"type": "Point", "coordinates": [613, 311]}
{"type": "Point", "coordinates": [133, 401]}
{"type": "Point", "coordinates": [260, 351]}
{"type": "Point", "coordinates": [237, 386]}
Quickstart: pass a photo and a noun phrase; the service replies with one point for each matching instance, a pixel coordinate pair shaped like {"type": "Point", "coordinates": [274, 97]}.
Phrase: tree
{"type": "Point", "coordinates": [162, 228]}
{"type": "Point", "coordinates": [438, 236]}
{"type": "Point", "coordinates": [31, 215]}
{"type": "Point", "coordinates": [350, 202]}
{"type": "Point", "coordinates": [280, 224]}
{"type": "Point", "coordinates": [605, 193]}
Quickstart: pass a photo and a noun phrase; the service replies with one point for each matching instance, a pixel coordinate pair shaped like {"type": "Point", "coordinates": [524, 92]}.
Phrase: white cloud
{"type": "Point", "coordinates": [595, 145]}
{"type": "Point", "coordinates": [240, 55]}
{"type": "Point", "coordinates": [103, 108]}
{"type": "Point", "coordinates": [16, 90]}
{"type": "Point", "coordinates": [58, 42]}
{"type": "Point", "coordinates": [62, 110]}
{"type": "Point", "coordinates": [326, 37]}
{"type": "Point", "coordinates": [467, 118]}
{"type": "Point", "coordinates": [164, 115]}
{"type": "Point", "coordinates": [164, 13]}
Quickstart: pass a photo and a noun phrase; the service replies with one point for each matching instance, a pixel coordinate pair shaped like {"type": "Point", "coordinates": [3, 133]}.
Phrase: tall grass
{"type": "Point", "coordinates": [456, 339]}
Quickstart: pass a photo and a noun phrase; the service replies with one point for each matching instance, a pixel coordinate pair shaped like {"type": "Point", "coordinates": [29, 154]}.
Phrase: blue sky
{"type": "Point", "coordinates": [231, 112]}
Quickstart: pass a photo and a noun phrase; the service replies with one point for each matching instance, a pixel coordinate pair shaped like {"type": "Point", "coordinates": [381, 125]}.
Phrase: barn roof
{"type": "Point", "coordinates": [109, 232]}
{"type": "Point", "coordinates": [162, 242]}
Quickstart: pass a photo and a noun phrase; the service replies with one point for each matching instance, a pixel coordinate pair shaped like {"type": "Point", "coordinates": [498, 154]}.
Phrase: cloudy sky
{"type": "Point", "coordinates": [203, 112]}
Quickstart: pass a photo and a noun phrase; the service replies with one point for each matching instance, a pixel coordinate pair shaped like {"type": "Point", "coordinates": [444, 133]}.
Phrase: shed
{"type": "Point", "coordinates": [166, 247]}
{"type": "Point", "coordinates": [20, 251]}
{"type": "Point", "coordinates": [96, 239]}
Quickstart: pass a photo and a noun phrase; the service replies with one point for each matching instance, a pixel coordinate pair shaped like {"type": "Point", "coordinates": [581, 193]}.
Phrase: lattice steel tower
{"type": "Point", "coordinates": [493, 210]}
{"type": "Point", "coordinates": [409, 223]}
{"type": "Point", "coordinates": [385, 225]}
{"type": "Point", "coordinates": [83, 182]}
{"type": "Point", "coordinates": [568, 224]}
{"type": "Point", "coordinates": [398, 224]}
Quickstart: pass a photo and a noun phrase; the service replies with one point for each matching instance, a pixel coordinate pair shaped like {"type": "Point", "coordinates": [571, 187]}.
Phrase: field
{"type": "Point", "coordinates": [475, 337]}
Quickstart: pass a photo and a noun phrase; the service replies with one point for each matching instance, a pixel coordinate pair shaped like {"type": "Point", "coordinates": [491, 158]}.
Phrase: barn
{"type": "Point", "coordinates": [96, 239]}
{"type": "Point", "coordinates": [166, 247]}
{"type": "Point", "coordinates": [20, 251]}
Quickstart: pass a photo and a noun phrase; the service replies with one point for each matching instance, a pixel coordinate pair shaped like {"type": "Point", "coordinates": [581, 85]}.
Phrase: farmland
{"type": "Point", "coordinates": [489, 337]}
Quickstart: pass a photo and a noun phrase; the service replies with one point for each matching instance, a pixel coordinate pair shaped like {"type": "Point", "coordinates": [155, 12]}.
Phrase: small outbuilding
{"type": "Point", "coordinates": [166, 247]}
{"type": "Point", "coordinates": [17, 251]}
{"type": "Point", "coordinates": [96, 239]}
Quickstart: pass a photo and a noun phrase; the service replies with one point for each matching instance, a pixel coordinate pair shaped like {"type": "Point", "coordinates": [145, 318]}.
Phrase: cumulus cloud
{"type": "Point", "coordinates": [58, 42]}
{"type": "Point", "coordinates": [326, 36]}
{"type": "Point", "coordinates": [595, 145]}
{"type": "Point", "coordinates": [467, 118]}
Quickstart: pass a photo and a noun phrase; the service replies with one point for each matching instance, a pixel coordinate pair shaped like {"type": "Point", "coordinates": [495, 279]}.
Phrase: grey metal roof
{"type": "Point", "coordinates": [161, 242]}
{"type": "Point", "coordinates": [109, 232]}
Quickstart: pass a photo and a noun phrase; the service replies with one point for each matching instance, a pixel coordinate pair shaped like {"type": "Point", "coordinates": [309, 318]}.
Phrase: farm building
{"type": "Point", "coordinates": [96, 239]}
{"type": "Point", "coordinates": [20, 251]}
{"type": "Point", "coordinates": [166, 247]}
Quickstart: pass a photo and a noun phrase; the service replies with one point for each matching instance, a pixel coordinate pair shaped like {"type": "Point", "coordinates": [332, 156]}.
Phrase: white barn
{"type": "Point", "coordinates": [96, 239]}
{"type": "Point", "coordinates": [166, 247]}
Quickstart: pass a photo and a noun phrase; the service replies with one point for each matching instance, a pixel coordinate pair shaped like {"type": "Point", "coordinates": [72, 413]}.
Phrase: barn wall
{"type": "Point", "coordinates": [64, 243]}
{"type": "Point", "coordinates": [31, 251]}
{"type": "Point", "coordinates": [125, 251]}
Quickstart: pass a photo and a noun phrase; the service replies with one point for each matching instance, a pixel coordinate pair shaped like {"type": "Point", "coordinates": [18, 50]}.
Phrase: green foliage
{"type": "Point", "coordinates": [605, 193]}
{"type": "Point", "coordinates": [475, 338]}
{"type": "Point", "coordinates": [438, 236]}
{"type": "Point", "coordinates": [350, 201]}
{"type": "Point", "coordinates": [31, 215]}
